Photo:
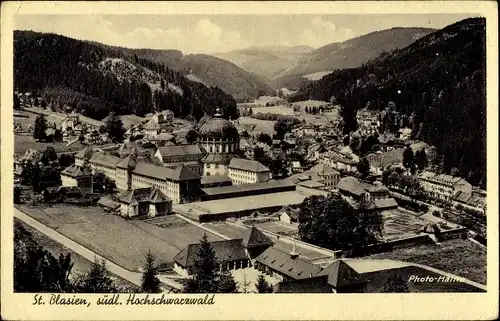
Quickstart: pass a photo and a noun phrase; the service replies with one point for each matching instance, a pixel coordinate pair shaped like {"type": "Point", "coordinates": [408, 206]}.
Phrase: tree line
{"type": "Point", "coordinates": [65, 72]}
{"type": "Point", "coordinates": [438, 82]}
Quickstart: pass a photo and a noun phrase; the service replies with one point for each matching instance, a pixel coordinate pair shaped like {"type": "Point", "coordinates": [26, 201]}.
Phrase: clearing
{"type": "Point", "coordinates": [280, 110]}
{"type": "Point", "coordinates": [22, 143]}
{"type": "Point", "coordinates": [124, 242]}
{"type": "Point", "coordinates": [261, 126]}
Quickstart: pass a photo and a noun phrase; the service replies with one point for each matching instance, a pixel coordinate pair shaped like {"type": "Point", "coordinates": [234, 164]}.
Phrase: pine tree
{"type": "Point", "coordinates": [150, 282]}
{"type": "Point", "coordinates": [262, 285]}
{"type": "Point", "coordinates": [205, 267]}
{"type": "Point", "coordinates": [408, 157]}
{"type": "Point", "coordinates": [226, 282]}
{"type": "Point", "coordinates": [97, 279]}
{"type": "Point", "coordinates": [40, 128]}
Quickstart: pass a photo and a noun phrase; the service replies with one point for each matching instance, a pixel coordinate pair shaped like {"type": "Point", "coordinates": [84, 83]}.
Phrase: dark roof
{"type": "Point", "coordinates": [385, 203]}
{"type": "Point", "coordinates": [181, 150]}
{"type": "Point", "coordinates": [324, 169]}
{"type": "Point", "coordinates": [352, 185]}
{"type": "Point", "coordinates": [282, 262]}
{"type": "Point", "coordinates": [215, 179]}
{"type": "Point", "coordinates": [76, 171]}
{"type": "Point", "coordinates": [340, 274]}
{"type": "Point", "coordinates": [253, 237]}
{"type": "Point", "coordinates": [131, 148]}
{"type": "Point", "coordinates": [218, 158]}
{"type": "Point", "coordinates": [105, 159]}
{"type": "Point", "coordinates": [148, 194]}
{"type": "Point", "coordinates": [248, 165]}
{"type": "Point", "coordinates": [247, 187]}
{"type": "Point", "coordinates": [179, 173]}
{"type": "Point", "coordinates": [85, 153]}
{"type": "Point", "coordinates": [108, 202]}
{"type": "Point", "coordinates": [226, 250]}
{"type": "Point", "coordinates": [128, 162]}
{"type": "Point", "coordinates": [217, 127]}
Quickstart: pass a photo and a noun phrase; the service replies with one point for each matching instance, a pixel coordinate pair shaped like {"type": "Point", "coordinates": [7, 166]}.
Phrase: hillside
{"type": "Point", "coordinates": [95, 80]}
{"type": "Point", "coordinates": [267, 61]}
{"type": "Point", "coordinates": [213, 71]}
{"type": "Point", "coordinates": [348, 54]}
{"type": "Point", "coordinates": [439, 81]}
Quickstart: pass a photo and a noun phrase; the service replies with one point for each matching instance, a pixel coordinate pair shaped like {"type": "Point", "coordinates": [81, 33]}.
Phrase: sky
{"type": "Point", "coordinates": [221, 33]}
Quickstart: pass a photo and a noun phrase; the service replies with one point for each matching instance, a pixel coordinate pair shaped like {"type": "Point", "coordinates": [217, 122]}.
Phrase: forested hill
{"type": "Point", "coordinates": [439, 80]}
{"type": "Point", "coordinates": [241, 84]}
{"type": "Point", "coordinates": [96, 80]}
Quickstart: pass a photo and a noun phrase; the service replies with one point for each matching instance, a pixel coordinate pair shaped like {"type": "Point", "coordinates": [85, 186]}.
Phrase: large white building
{"type": "Point", "coordinates": [443, 186]}
{"type": "Point", "coordinates": [245, 171]}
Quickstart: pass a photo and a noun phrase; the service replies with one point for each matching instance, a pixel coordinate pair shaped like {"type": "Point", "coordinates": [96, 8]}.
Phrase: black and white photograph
{"type": "Point", "coordinates": [178, 154]}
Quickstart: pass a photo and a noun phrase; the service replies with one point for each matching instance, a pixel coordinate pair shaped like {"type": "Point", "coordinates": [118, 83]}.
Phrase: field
{"type": "Point", "coordinates": [281, 110]}
{"type": "Point", "coordinates": [22, 143]}
{"type": "Point", "coordinates": [460, 257]}
{"type": "Point", "coordinates": [261, 126]}
{"type": "Point", "coordinates": [81, 264]}
{"type": "Point", "coordinates": [124, 242]}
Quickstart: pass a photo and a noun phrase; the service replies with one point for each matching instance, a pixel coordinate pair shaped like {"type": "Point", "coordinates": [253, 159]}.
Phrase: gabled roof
{"type": "Point", "coordinates": [128, 162]}
{"type": "Point", "coordinates": [139, 195]}
{"type": "Point", "coordinates": [352, 185]}
{"type": "Point", "coordinates": [76, 171]}
{"type": "Point", "coordinates": [340, 274]}
{"type": "Point", "coordinates": [255, 238]}
{"type": "Point", "coordinates": [248, 165]}
{"type": "Point", "coordinates": [105, 159]}
{"type": "Point", "coordinates": [226, 250]}
{"type": "Point", "coordinates": [324, 169]}
{"type": "Point", "coordinates": [217, 158]}
{"type": "Point", "coordinates": [178, 173]}
{"type": "Point", "coordinates": [282, 262]}
{"type": "Point", "coordinates": [181, 150]}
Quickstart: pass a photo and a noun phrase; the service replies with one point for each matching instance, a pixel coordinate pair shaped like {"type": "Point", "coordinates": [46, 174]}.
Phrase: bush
{"type": "Point", "coordinates": [436, 214]}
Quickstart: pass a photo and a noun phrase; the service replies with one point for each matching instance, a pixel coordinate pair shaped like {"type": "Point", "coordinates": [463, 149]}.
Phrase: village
{"type": "Point", "coordinates": [241, 183]}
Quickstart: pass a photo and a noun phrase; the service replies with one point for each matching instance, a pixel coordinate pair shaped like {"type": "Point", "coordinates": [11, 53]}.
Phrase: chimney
{"type": "Point", "coordinates": [294, 254]}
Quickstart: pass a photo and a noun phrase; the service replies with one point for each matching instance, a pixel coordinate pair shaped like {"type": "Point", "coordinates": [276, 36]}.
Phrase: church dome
{"type": "Point", "coordinates": [218, 128]}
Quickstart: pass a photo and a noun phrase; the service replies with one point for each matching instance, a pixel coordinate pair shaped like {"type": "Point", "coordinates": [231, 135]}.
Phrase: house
{"type": "Point", "coordinates": [443, 186]}
{"type": "Point", "coordinates": [255, 242]}
{"type": "Point", "coordinates": [315, 151]}
{"type": "Point", "coordinates": [338, 277]}
{"type": "Point", "coordinates": [78, 176]}
{"type": "Point", "coordinates": [189, 154]}
{"type": "Point", "coordinates": [245, 171]}
{"type": "Point", "coordinates": [285, 266]}
{"type": "Point", "coordinates": [288, 215]}
{"type": "Point", "coordinates": [377, 195]}
{"type": "Point", "coordinates": [472, 200]}
{"type": "Point", "coordinates": [230, 254]}
{"type": "Point", "coordinates": [328, 176]}
{"type": "Point", "coordinates": [149, 201]}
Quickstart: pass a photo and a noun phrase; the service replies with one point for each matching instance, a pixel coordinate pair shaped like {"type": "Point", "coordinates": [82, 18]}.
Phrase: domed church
{"type": "Point", "coordinates": [220, 139]}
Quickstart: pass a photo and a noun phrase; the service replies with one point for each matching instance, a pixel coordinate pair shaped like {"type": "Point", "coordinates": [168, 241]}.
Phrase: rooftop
{"type": "Point", "coordinates": [181, 150]}
{"type": "Point", "coordinates": [76, 171]}
{"type": "Point", "coordinates": [248, 165]}
{"type": "Point", "coordinates": [282, 262]}
{"type": "Point", "coordinates": [148, 194]}
{"type": "Point", "coordinates": [178, 173]}
{"type": "Point", "coordinates": [247, 187]}
{"type": "Point", "coordinates": [215, 179]}
{"type": "Point", "coordinates": [225, 250]}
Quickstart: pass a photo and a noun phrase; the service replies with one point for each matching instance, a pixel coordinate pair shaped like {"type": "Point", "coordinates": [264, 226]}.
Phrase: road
{"type": "Point", "coordinates": [133, 277]}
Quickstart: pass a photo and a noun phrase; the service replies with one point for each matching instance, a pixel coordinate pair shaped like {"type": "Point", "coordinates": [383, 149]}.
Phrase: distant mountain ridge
{"type": "Point", "coordinates": [438, 81]}
{"type": "Point", "coordinates": [96, 79]}
{"type": "Point", "coordinates": [213, 71]}
{"type": "Point", "coordinates": [266, 61]}
{"type": "Point", "coordinates": [287, 66]}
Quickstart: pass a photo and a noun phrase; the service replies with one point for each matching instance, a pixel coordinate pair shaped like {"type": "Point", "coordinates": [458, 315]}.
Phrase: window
{"type": "Point", "coordinates": [208, 173]}
{"type": "Point", "coordinates": [216, 165]}
{"type": "Point", "coordinates": [208, 165]}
